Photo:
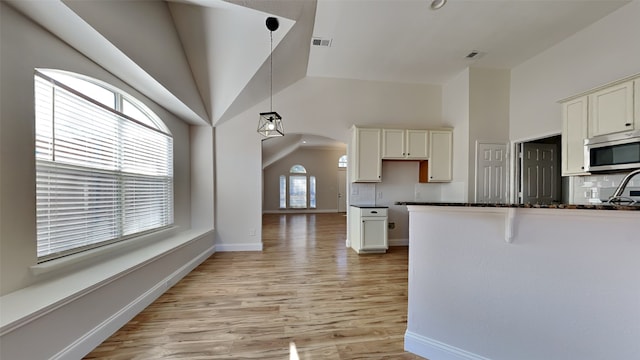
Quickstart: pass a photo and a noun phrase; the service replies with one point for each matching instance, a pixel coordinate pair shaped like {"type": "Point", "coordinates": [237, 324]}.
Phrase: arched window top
{"type": "Point", "coordinates": [342, 162]}
{"type": "Point", "coordinates": [107, 95]}
{"type": "Point", "coordinates": [298, 169]}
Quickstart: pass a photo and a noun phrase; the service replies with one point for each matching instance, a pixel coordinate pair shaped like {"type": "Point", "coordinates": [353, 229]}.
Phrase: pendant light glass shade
{"type": "Point", "coordinates": [270, 124]}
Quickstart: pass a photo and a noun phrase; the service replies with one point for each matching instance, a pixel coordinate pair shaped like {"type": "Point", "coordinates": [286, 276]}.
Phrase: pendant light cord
{"type": "Point", "coordinates": [271, 72]}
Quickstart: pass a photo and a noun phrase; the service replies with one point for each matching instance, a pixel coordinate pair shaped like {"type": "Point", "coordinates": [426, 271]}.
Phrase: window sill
{"type": "Point", "coordinates": [100, 253]}
{"type": "Point", "coordinates": [67, 279]}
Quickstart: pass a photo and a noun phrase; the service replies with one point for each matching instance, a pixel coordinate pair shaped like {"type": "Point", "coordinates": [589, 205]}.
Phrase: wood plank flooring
{"type": "Point", "coordinates": [306, 289]}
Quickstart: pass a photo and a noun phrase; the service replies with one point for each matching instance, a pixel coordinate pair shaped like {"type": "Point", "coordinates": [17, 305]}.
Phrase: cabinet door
{"type": "Point", "coordinates": [611, 110]}
{"type": "Point", "coordinates": [417, 144]}
{"type": "Point", "coordinates": [393, 146]}
{"type": "Point", "coordinates": [574, 132]}
{"type": "Point", "coordinates": [354, 228]}
{"type": "Point", "coordinates": [367, 165]}
{"type": "Point", "coordinates": [440, 151]}
{"type": "Point", "coordinates": [374, 233]}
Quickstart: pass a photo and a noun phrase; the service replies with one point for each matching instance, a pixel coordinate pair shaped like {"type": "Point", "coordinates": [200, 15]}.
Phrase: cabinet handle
{"type": "Point", "coordinates": [627, 124]}
{"type": "Point", "coordinates": [582, 167]}
{"type": "Point", "coordinates": [408, 154]}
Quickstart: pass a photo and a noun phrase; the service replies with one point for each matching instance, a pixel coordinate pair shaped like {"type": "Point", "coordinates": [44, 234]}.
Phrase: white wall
{"type": "Point", "coordinates": [26, 46]}
{"type": "Point", "coordinates": [489, 104]}
{"type": "Point", "coordinates": [317, 106]}
{"type": "Point", "coordinates": [239, 184]}
{"type": "Point", "coordinates": [455, 113]}
{"type": "Point", "coordinates": [488, 112]}
{"type": "Point", "coordinates": [94, 295]}
{"type": "Point", "coordinates": [476, 105]}
{"type": "Point", "coordinates": [563, 289]}
{"type": "Point", "coordinates": [203, 183]}
{"type": "Point", "coordinates": [603, 52]}
{"type": "Point", "coordinates": [328, 107]}
{"type": "Point", "coordinates": [152, 23]}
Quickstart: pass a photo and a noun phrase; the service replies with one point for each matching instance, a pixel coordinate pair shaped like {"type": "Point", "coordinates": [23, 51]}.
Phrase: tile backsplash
{"type": "Point", "coordinates": [362, 194]}
{"type": "Point", "coordinates": [594, 188]}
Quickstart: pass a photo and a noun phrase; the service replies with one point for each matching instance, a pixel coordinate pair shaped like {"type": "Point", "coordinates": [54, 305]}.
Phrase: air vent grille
{"type": "Point", "coordinates": [474, 55]}
{"type": "Point", "coordinates": [316, 41]}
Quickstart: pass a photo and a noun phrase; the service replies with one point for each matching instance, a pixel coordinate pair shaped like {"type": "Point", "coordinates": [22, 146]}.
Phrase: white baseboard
{"type": "Point", "coordinates": [436, 350]}
{"type": "Point", "coordinates": [89, 341]}
{"type": "Point", "coordinates": [398, 242]}
{"type": "Point", "coordinates": [239, 247]}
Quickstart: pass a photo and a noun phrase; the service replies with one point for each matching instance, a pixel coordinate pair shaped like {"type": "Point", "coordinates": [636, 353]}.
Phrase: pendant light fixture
{"type": "Point", "coordinates": [270, 123]}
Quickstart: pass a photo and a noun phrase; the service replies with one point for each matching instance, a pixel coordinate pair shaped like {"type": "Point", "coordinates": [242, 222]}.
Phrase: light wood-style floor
{"type": "Point", "coordinates": [306, 289]}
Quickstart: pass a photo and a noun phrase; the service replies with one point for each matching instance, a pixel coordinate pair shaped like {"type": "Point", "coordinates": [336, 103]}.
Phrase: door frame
{"type": "Point", "coordinates": [516, 147]}
{"type": "Point", "coordinates": [342, 173]}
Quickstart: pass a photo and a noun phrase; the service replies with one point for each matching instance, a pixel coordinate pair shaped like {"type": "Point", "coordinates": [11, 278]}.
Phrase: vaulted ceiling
{"type": "Point", "coordinates": [207, 60]}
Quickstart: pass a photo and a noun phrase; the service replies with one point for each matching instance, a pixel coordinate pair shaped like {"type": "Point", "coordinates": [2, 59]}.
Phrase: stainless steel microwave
{"type": "Point", "coordinates": [612, 152]}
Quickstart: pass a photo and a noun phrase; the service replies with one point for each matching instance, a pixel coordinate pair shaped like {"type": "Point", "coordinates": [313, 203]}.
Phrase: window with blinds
{"type": "Point", "coordinates": [102, 175]}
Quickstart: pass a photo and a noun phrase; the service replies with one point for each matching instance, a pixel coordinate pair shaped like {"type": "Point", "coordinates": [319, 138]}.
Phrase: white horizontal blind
{"type": "Point", "coordinates": [100, 176]}
{"type": "Point", "coordinates": [297, 191]}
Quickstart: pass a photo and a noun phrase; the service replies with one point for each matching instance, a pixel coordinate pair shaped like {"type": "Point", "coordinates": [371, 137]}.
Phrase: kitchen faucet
{"type": "Point", "coordinates": [617, 195]}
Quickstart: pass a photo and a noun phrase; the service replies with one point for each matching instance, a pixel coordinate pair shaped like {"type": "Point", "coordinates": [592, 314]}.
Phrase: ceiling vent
{"type": "Point", "coordinates": [474, 55]}
{"type": "Point", "coordinates": [316, 41]}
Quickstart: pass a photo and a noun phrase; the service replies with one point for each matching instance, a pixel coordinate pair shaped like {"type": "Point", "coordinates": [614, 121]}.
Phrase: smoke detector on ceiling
{"type": "Point", "coordinates": [437, 4]}
{"type": "Point", "coordinates": [317, 41]}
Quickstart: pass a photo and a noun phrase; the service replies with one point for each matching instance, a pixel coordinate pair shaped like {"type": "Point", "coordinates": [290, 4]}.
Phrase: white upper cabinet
{"type": "Point", "coordinates": [611, 110]}
{"type": "Point", "coordinates": [393, 144]}
{"type": "Point", "coordinates": [366, 163]}
{"type": "Point", "coordinates": [574, 131]}
{"type": "Point", "coordinates": [441, 151]}
{"type": "Point", "coordinates": [417, 144]}
{"type": "Point", "coordinates": [405, 144]}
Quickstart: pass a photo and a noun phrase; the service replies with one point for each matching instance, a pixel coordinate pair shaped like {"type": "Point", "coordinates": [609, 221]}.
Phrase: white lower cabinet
{"type": "Point", "coordinates": [368, 229]}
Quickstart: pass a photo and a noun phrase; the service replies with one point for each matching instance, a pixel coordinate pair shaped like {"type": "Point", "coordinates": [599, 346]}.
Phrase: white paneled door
{"type": "Point", "coordinates": [491, 173]}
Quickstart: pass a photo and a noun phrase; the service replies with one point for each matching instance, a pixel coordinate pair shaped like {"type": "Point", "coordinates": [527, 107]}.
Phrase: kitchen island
{"type": "Point", "coordinates": [523, 281]}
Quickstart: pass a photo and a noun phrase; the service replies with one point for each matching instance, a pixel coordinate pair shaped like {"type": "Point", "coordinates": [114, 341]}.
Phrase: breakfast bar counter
{"type": "Point", "coordinates": [523, 282]}
{"type": "Point", "coordinates": [601, 206]}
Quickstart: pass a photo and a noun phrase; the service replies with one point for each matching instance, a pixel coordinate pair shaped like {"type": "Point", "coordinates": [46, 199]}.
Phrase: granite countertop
{"type": "Point", "coordinates": [371, 206]}
{"type": "Point", "coordinates": [528, 206]}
